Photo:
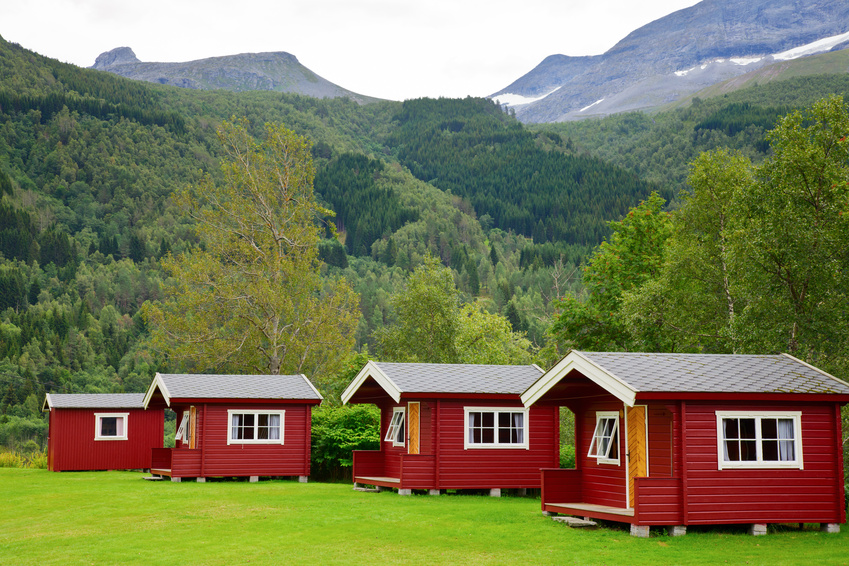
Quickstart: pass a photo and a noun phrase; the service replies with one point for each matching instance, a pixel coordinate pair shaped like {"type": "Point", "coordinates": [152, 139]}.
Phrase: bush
{"type": "Point", "coordinates": [29, 459]}
{"type": "Point", "coordinates": [336, 432]}
{"type": "Point", "coordinates": [567, 456]}
{"type": "Point", "coordinates": [11, 460]}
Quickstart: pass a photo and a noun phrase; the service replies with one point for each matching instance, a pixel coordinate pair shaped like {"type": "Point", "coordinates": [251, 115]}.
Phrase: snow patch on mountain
{"type": "Point", "coordinates": [510, 99]}
{"type": "Point", "coordinates": [821, 46]}
{"type": "Point", "coordinates": [585, 108]}
{"type": "Point", "coordinates": [734, 60]}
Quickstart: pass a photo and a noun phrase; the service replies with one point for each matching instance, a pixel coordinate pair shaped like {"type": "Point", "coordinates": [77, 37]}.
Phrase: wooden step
{"type": "Point", "coordinates": [575, 522]}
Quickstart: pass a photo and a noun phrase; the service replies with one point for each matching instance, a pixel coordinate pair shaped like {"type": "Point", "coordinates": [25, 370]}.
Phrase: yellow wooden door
{"type": "Point", "coordinates": [637, 447]}
{"type": "Point", "coordinates": [413, 427]}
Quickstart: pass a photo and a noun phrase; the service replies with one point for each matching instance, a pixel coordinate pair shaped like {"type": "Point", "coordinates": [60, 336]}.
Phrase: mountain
{"type": "Point", "coordinates": [677, 55]}
{"type": "Point", "coordinates": [277, 71]}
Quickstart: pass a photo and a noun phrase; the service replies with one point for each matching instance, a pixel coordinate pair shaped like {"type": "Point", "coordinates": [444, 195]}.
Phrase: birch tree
{"type": "Point", "coordinates": [250, 296]}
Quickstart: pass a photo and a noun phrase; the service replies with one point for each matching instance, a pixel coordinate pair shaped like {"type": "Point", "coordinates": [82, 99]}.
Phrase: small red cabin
{"type": "Point", "coordinates": [235, 425]}
{"type": "Point", "coordinates": [695, 439]}
{"type": "Point", "coordinates": [104, 431]}
{"type": "Point", "coordinates": [454, 426]}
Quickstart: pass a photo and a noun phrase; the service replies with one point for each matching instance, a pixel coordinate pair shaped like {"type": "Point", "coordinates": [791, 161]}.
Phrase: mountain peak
{"type": "Point", "coordinates": [117, 56]}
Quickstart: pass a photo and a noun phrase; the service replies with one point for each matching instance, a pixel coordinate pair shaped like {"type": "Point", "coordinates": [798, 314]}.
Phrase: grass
{"type": "Point", "coordinates": [117, 517]}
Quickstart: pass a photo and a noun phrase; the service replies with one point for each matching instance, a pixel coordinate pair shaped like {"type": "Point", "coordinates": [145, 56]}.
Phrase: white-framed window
{"type": "Point", "coordinates": [255, 427]}
{"type": "Point", "coordinates": [605, 443]}
{"type": "Point", "coordinates": [396, 434]}
{"type": "Point", "coordinates": [759, 439]}
{"type": "Point", "coordinates": [110, 426]}
{"type": "Point", "coordinates": [182, 430]}
{"type": "Point", "coordinates": [501, 427]}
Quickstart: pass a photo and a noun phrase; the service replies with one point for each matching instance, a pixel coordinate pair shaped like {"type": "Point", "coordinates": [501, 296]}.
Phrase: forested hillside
{"type": "Point", "coordinates": [660, 147]}
{"type": "Point", "coordinates": [89, 161]}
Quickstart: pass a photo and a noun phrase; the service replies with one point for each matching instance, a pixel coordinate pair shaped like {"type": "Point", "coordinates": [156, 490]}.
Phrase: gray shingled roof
{"type": "Point", "coordinates": [715, 373]}
{"type": "Point", "coordinates": [460, 378]}
{"type": "Point", "coordinates": [96, 400]}
{"type": "Point", "coordinates": [217, 386]}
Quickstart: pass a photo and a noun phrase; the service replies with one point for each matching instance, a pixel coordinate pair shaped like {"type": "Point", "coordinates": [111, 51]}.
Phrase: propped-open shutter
{"type": "Point", "coordinates": [413, 426]}
{"type": "Point", "coordinates": [637, 449]}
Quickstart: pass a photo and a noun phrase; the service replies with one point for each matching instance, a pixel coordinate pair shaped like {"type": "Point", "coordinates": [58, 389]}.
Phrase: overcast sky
{"type": "Point", "coordinates": [394, 49]}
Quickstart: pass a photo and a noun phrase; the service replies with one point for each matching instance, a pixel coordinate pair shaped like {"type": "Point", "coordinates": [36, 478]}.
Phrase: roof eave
{"type": "Point", "coordinates": [371, 370]}
{"type": "Point", "coordinates": [160, 383]}
{"type": "Point", "coordinates": [595, 373]}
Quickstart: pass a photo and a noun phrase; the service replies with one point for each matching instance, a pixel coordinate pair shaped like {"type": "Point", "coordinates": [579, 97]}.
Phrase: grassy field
{"type": "Point", "coordinates": [117, 517]}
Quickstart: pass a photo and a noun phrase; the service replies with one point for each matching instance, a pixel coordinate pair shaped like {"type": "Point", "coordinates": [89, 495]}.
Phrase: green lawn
{"type": "Point", "coordinates": [117, 517]}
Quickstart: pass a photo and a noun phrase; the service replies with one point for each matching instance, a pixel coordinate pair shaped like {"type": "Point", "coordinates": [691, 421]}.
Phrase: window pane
{"type": "Point", "coordinates": [732, 451]}
{"type": "Point", "coordinates": [614, 446]}
{"type": "Point", "coordinates": [262, 427]}
{"type": "Point", "coordinates": [769, 449]}
{"type": "Point", "coordinates": [488, 435]}
{"type": "Point", "coordinates": [748, 451]}
{"type": "Point", "coordinates": [108, 426]}
{"type": "Point", "coordinates": [786, 451]}
{"type": "Point", "coordinates": [488, 419]}
{"type": "Point", "coordinates": [769, 429]}
{"type": "Point", "coordinates": [504, 420]}
{"type": "Point", "coordinates": [747, 428]}
{"type": "Point", "coordinates": [503, 435]}
{"type": "Point", "coordinates": [730, 429]}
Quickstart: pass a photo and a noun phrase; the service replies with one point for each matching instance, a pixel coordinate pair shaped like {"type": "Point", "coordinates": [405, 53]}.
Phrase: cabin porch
{"type": "Point", "coordinates": [657, 501]}
{"type": "Point", "coordinates": [414, 471]}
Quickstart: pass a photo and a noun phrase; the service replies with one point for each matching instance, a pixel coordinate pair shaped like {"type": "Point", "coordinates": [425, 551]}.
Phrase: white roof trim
{"type": "Point", "coordinates": [157, 382]}
{"type": "Point", "coordinates": [575, 360]}
{"type": "Point", "coordinates": [47, 405]}
{"type": "Point", "coordinates": [312, 387]}
{"type": "Point", "coordinates": [371, 370]}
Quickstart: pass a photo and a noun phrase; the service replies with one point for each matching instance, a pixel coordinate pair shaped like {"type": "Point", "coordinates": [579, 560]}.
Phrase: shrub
{"type": "Point", "coordinates": [567, 456]}
{"type": "Point", "coordinates": [336, 432]}
{"type": "Point", "coordinates": [11, 460]}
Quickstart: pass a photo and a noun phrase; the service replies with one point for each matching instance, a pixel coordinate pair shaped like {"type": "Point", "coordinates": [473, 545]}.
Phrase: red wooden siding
{"type": "Point", "coordinates": [71, 444]}
{"type": "Point", "coordinates": [762, 495]}
{"type": "Point", "coordinates": [444, 463]}
{"type": "Point", "coordinates": [658, 501]}
{"type": "Point", "coordinates": [603, 484]}
{"type": "Point", "coordinates": [660, 441]}
{"type": "Point", "coordinates": [214, 457]}
{"type": "Point", "coordinates": [495, 467]}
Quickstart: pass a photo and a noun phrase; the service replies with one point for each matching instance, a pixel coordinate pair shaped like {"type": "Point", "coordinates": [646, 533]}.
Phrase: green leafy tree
{"type": "Point", "coordinates": [792, 240]}
{"type": "Point", "coordinates": [251, 297]}
{"type": "Point", "coordinates": [632, 255]}
{"type": "Point", "coordinates": [692, 303]}
{"type": "Point", "coordinates": [431, 326]}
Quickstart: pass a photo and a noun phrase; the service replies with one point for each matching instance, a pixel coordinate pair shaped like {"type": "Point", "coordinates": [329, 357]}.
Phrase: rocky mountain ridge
{"type": "Point", "coordinates": [674, 56]}
{"type": "Point", "coordinates": [275, 71]}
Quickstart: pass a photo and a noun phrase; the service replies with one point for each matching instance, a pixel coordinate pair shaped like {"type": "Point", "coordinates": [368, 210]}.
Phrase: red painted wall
{"type": "Point", "coordinates": [454, 467]}
{"type": "Point", "coordinates": [214, 457]}
{"type": "Point", "coordinates": [813, 494]}
{"type": "Point", "coordinates": [71, 444]}
{"type": "Point", "coordinates": [602, 484]}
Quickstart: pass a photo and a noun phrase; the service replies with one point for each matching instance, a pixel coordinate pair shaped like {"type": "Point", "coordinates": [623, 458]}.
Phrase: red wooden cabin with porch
{"type": "Point", "coordinates": [235, 425]}
{"type": "Point", "coordinates": [100, 431]}
{"type": "Point", "coordinates": [693, 439]}
{"type": "Point", "coordinates": [454, 426]}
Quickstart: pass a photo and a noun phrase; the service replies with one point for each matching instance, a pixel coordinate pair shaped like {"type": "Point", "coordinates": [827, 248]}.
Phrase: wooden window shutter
{"type": "Point", "coordinates": [193, 427]}
{"type": "Point", "coordinates": [637, 448]}
{"type": "Point", "coordinates": [413, 427]}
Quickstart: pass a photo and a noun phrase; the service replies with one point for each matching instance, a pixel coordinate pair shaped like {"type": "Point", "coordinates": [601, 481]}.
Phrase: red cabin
{"type": "Point", "coordinates": [101, 431]}
{"type": "Point", "coordinates": [235, 425]}
{"type": "Point", "coordinates": [695, 439]}
{"type": "Point", "coordinates": [453, 426]}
